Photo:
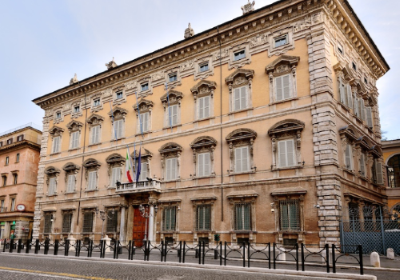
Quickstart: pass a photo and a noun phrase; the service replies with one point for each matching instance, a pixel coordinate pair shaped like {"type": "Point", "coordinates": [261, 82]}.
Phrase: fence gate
{"type": "Point", "coordinates": [375, 228]}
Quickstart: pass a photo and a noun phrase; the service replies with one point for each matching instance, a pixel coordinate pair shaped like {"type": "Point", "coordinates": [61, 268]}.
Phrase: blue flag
{"type": "Point", "coordinates": [139, 165]}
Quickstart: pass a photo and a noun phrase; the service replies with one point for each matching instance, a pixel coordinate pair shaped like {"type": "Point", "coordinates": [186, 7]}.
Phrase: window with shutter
{"type": "Point", "coordinates": [92, 184]}
{"type": "Point", "coordinates": [242, 157]}
{"type": "Point", "coordinates": [118, 129]}
{"type": "Point", "coordinates": [95, 134]}
{"type": "Point", "coordinates": [289, 214]}
{"type": "Point", "coordinates": [362, 164]}
{"type": "Point", "coordinates": [203, 217]}
{"type": "Point", "coordinates": [342, 92]}
{"type": "Point", "coordinates": [204, 107]}
{"type": "Point", "coordinates": [71, 183]}
{"type": "Point", "coordinates": [171, 169]}
{"type": "Point", "coordinates": [88, 222]}
{"type": "Point", "coordinates": [173, 115]}
{"type": "Point", "coordinates": [169, 218]}
{"type": "Point", "coordinates": [52, 185]}
{"type": "Point", "coordinates": [74, 140]}
{"type": "Point", "coordinates": [243, 216]}
{"type": "Point", "coordinates": [56, 144]}
{"type": "Point", "coordinates": [203, 163]}
{"type": "Point", "coordinates": [368, 111]}
{"type": "Point", "coordinates": [349, 96]}
{"type": "Point", "coordinates": [115, 176]}
{"type": "Point", "coordinates": [144, 172]}
{"type": "Point", "coordinates": [359, 108]}
{"type": "Point", "coordinates": [379, 173]}
{"type": "Point", "coordinates": [349, 157]}
{"type": "Point", "coordinates": [112, 221]}
{"type": "Point", "coordinates": [286, 153]}
{"type": "Point", "coordinates": [67, 221]}
{"type": "Point", "coordinates": [144, 122]}
{"type": "Point", "coordinates": [282, 87]}
{"type": "Point", "coordinates": [356, 102]}
{"type": "Point", "coordinates": [240, 98]}
{"type": "Point", "coordinates": [362, 109]}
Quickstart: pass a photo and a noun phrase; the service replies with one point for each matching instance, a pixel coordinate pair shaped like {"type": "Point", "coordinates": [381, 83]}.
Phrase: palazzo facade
{"type": "Point", "coordinates": [261, 129]}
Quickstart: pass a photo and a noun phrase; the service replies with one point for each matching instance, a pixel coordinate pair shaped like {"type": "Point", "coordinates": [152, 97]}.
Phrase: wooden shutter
{"type": "Point", "coordinates": [282, 153]}
{"type": "Point", "coordinates": [348, 155]}
{"type": "Point", "coordinates": [279, 88]}
{"type": "Point", "coordinates": [342, 92]}
{"type": "Point", "coordinates": [206, 106]}
{"type": "Point", "coordinates": [92, 180]}
{"type": "Point", "coordinates": [379, 173]}
{"type": "Point", "coordinates": [238, 160]}
{"type": "Point", "coordinates": [120, 128]}
{"type": "Point", "coordinates": [201, 165]}
{"type": "Point", "coordinates": [349, 96]}
{"type": "Point", "coordinates": [174, 114]}
{"type": "Point", "coordinates": [243, 97]}
{"type": "Point", "coordinates": [172, 168]}
{"type": "Point", "coordinates": [115, 174]}
{"type": "Point", "coordinates": [362, 108]}
{"type": "Point", "coordinates": [236, 100]}
{"type": "Point", "coordinates": [52, 186]}
{"type": "Point", "coordinates": [74, 140]}
{"type": "Point", "coordinates": [207, 164]}
{"type": "Point", "coordinates": [359, 108]}
{"type": "Point", "coordinates": [245, 159]}
{"type": "Point", "coordinates": [71, 183]}
{"type": "Point", "coordinates": [247, 216]}
{"type": "Point", "coordinates": [56, 144]}
{"type": "Point", "coordinates": [239, 218]}
{"type": "Point", "coordinates": [368, 111]}
{"type": "Point", "coordinates": [356, 107]}
{"type": "Point", "coordinates": [290, 153]}
{"type": "Point", "coordinates": [362, 164]}
{"type": "Point", "coordinates": [201, 108]}
{"type": "Point", "coordinates": [286, 86]}
{"type": "Point", "coordinates": [293, 214]}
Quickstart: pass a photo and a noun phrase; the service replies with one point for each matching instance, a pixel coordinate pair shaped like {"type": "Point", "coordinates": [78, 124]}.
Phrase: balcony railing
{"type": "Point", "coordinates": [141, 186]}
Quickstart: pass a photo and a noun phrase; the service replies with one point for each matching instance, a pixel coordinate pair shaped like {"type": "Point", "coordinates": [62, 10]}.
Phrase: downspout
{"type": "Point", "coordinates": [221, 137]}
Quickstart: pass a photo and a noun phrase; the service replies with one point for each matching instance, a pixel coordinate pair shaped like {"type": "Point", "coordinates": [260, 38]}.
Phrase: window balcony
{"type": "Point", "coordinates": [137, 187]}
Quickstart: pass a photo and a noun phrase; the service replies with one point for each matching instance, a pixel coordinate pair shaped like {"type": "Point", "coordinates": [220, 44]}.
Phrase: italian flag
{"type": "Point", "coordinates": [128, 168]}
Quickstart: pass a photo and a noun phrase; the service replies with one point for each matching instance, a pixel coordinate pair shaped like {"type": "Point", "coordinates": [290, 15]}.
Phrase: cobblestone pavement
{"type": "Point", "coordinates": [36, 267]}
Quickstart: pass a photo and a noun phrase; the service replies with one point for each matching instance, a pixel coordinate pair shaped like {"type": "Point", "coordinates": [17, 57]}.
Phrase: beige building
{"type": "Point", "coordinates": [268, 129]}
{"type": "Point", "coordinates": [19, 161]}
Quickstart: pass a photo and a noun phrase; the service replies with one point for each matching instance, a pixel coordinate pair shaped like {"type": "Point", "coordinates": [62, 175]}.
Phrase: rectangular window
{"type": "Point", "coordinates": [282, 87]}
{"type": "Point", "coordinates": [242, 159]}
{"type": "Point", "coordinates": [95, 135]}
{"type": "Point", "coordinates": [377, 174]}
{"type": "Point", "coordinates": [362, 164]}
{"type": "Point", "coordinates": [204, 107]}
{"type": "Point", "coordinates": [243, 216]}
{"type": "Point", "coordinates": [281, 41]}
{"type": "Point", "coordinates": [349, 157]}
{"type": "Point", "coordinates": [17, 159]}
{"type": "Point", "coordinates": [58, 115]}
{"type": "Point", "coordinates": [96, 102]}
{"type": "Point", "coordinates": [20, 138]}
{"type": "Point", "coordinates": [340, 48]}
{"type": "Point", "coordinates": [239, 55]}
{"type": "Point", "coordinates": [4, 181]}
{"type": "Point", "coordinates": [12, 209]}
{"type": "Point", "coordinates": [15, 179]}
{"type": "Point", "coordinates": [92, 184]}
{"type": "Point", "coordinates": [118, 129]}
{"type": "Point", "coordinates": [7, 160]}
{"type": "Point", "coordinates": [144, 172]}
{"type": "Point", "coordinates": [52, 186]}
{"type": "Point", "coordinates": [204, 165]}
{"type": "Point", "coordinates": [203, 67]}
{"type": "Point", "coordinates": [203, 216]}
{"type": "Point", "coordinates": [119, 95]}
{"type": "Point", "coordinates": [289, 214]}
{"type": "Point", "coordinates": [366, 80]}
{"type": "Point", "coordinates": [67, 221]}
{"type": "Point", "coordinates": [368, 112]}
{"type": "Point", "coordinates": [2, 208]}
{"type": "Point", "coordinates": [48, 222]}
{"type": "Point", "coordinates": [173, 115]}
{"type": "Point", "coordinates": [240, 98]}
{"type": "Point", "coordinates": [286, 152]}
{"type": "Point", "coordinates": [112, 221]}
{"type": "Point", "coordinates": [9, 141]}
{"type": "Point", "coordinates": [173, 78]}
{"type": "Point", "coordinates": [362, 109]}
{"type": "Point", "coordinates": [76, 109]}
{"type": "Point", "coordinates": [88, 221]}
{"type": "Point", "coordinates": [71, 183]}
{"type": "Point", "coordinates": [169, 218]}
{"type": "Point", "coordinates": [144, 87]}
{"type": "Point", "coordinates": [115, 176]}
{"type": "Point", "coordinates": [171, 169]}
{"type": "Point", "coordinates": [74, 140]}
{"type": "Point", "coordinates": [354, 66]}
{"type": "Point", "coordinates": [144, 119]}
{"type": "Point", "coordinates": [56, 145]}
{"type": "Point", "coordinates": [1, 143]}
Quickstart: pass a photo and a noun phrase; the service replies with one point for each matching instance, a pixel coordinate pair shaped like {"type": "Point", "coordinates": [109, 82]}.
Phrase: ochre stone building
{"type": "Point", "coordinates": [268, 128]}
{"type": "Point", "coordinates": [19, 161]}
{"type": "Point", "coordinates": [391, 157]}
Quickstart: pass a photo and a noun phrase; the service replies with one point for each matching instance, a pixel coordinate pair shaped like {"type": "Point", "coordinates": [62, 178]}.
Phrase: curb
{"type": "Point", "coordinates": [277, 272]}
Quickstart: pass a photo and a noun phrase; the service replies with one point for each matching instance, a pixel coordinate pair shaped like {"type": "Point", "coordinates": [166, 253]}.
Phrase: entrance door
{"type": "Point", "coordinates": [139, 224]}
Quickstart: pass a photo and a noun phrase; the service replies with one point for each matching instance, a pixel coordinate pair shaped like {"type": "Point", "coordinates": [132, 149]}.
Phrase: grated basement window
{"type": "Point", "coordinates": [67, 219]}
{"type": "Point", "coordinates": [243, 216]}
{"type": "Point", "coordinates": [203, 216]}
{"type": "Point", "coordinates": [289, 214]}
{"type": "Point", "coordinates": [47, 223]}
{"type": "Point", "coordinates": [112, 221]}
{"type": "Point", "coordinates": [88, 222]}
{"type": "Point", "coordinates": [169, 218]}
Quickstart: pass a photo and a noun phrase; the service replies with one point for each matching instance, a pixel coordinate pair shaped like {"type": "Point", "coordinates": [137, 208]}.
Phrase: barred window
{"type": "Point", "coordinates": [243, 216]}
{"type": "Point", "coordinates": [289, 214]}
{"type": "Point", "coordinates": [47, 222]}
{"type": "Point", "coordinates": [67, 221]}
{"type": "Point", "coordinates": [112, 221]}
{"type": "Point", "coordinates": [203, 216]}
{"type": "Point", "coordinates": [169, 218]}
{"type": "Point", "coordinates": [88, 221]}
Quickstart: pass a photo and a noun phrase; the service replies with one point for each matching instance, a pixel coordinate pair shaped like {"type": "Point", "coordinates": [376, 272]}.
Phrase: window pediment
{"type": "Point", "coordinates": [286, 126]}
{"type": "Point", "coordinates": [170, 148]}
{"type": "Point", "coordinates": [174, 97]}
{"type": "Point", "coordinates": [241, 134]}
{"type": "Point", "coordinates": [204, 88]}
{"type": "Point", "coordinates": [144, 105]}
{"type": "Point", "coordinates": [145, 154]}
{"type": "Point", "coordinates": [115, 158]}
{"type": "Point", "coordinates": [95, 119]}
{"type": "Point", "coordinates": [282, 65]}
{"type": "Point", "coordinates": [71, 167]}
{"type": "Point", "coordinates": [118, 113]}
{"type": "Point", "coordinates": [349, 132]}
{"type": "Point", "coordinates": [240, 77]}
{"type": "Point", "coordinates": [344, 71]}
{"type": "Point", "coordinates": [91, 163]}
{"type": "Point", "coordinates": [364, 142]}
{"type": "Point", "coordinates": [376, 150]}
{"type": "Point", "coordinates": [52, 171]}
{"type": "Point", "coordinates": [74, 126]}
{"type": "Point", "coordinates": [203, 141]}
{"type": "Point", "coordinates": [56, 131]}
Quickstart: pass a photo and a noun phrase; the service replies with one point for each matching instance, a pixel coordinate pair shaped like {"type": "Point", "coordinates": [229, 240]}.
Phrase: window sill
{"type": "Point", "coordinates": [74, 149]}
{"type": "Point", "coordinates": [121, 138]}
{"type": "Point", "coordinates": [176, 125]}
{"type": "Point", "coordinates": [74, 192]}
{"type": "Point", "coordinates": [243, 231]}
{"type": "Point", "coordinates": [204, 177]}
{"type": "Point", "coordinates": [242, 173]}
{"type": "Point", "coordinates": [51, 195]}
{"type": "Point", "coordinates": [54, 154]}
{"type": "Point", "coordinates": [283, 101]}
{"type": "Point", "coordinates": [288, 168]}
{"type": "Point", "coordinates": [169, 181]}
{"type": "Point", "coordinates": [344, 106]}
{"type": "Point", "coordinates": [95, 144]}
{"type": "Point", "coordinates": [349, 171]}
{"type": "Point", "coordinates": [204, 231]}
{"type": "Point", "coordinates": [94, 190]}
{"type": "Point", "coordinates": [240, 111]}
{"type": "Point", "coordinates": [204, 119]}
{"type": "Point", "coordinates": [144, 133]}
{"type": "Point", "coordinates": [288, 231]}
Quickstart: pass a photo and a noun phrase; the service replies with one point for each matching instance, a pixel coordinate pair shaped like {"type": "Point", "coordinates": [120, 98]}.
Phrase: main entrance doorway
{"type": "Point", "coordinates": [139, 225]}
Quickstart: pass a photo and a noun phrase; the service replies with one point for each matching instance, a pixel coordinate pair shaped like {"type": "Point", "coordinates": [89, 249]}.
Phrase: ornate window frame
{"type": "Point", "coordinates": [70, 169]}
{"type": "Point", "coordinates": [175, 98]}
{"type": "Point", "coordinates": [284, 130]}
{"type": "Point", "coordinates": [91, 164]}
{"type": "Point", "coordinates": [119, 114]}
{"type": "Point", "coordinates": [348, 136]}
{"type": "Point", "coordinates": [203, 144]}
{"type": "Point", "coordinates": [146, 157]}
{"type": "Point", "coordinates": [202, 89]}
{"type": "Point", "coordinates": [272, 50]}
{"type": "Point", "coordinates": [238, 138]}
{"type": "Point", "coordinates": [162, 204]}
{"type": "Point", "coordinates": [145, 106]}
{"type": "Point", "coordinates": [200, 62]}
{"type": "Point", "coordinates": [74, 126]}
{"type": "Point", "coordinates": [282, 66]}
{"type": "Point", "coordinates": [170, 72]}
{"type": "Point", "coordinates": [94, 120]}
{"type": "Point", "coordinates": [142, 81]}
{"type": "Point", "coordinates": [170, 150]}
{"type": "Point", "coordinates": [52, 172]}
{"type": "Point", "coordinates": [55, 112]}
{"type": "Point", "coordinates": [75, 115]}
{"type": "Point", "coordinates": [115, 90]}
{"type": "Point", "coordinates": [114, 160]}
{"type": "Point", "coordinates": [203, 201]}
{"type": "Point", "coordinates": [232, 63]}
{"type": "Point", "coordinates": [94, 97]}
{"type": "Point", "coordinates": [239, 78]}
{"type": "Point", "coordinates": [56, 131]}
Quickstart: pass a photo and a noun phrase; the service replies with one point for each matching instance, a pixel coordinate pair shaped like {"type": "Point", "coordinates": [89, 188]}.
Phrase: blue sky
{"type": "Point", "coordinates": [44, 42]}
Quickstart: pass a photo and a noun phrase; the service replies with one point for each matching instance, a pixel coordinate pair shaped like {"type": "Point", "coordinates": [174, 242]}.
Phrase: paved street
{"type": "Point", "coordinates": [38, 267]}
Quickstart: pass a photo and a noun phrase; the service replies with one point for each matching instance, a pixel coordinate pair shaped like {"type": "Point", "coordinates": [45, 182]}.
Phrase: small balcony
{"type": "Point", "coordinates": [150, 185]}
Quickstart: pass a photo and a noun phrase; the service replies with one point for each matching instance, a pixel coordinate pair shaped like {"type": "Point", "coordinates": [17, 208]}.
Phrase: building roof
{"type": "Point", "coordinates": [272, 8]}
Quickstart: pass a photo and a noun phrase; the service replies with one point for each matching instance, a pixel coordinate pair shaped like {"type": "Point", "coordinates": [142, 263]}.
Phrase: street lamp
{"type": "Point", "coordinates": [144, 212]}
{"type": "Point", "coordinates": [103, 217]}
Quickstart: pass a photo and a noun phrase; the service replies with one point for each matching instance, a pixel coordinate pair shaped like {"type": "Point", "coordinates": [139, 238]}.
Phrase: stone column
{"type": "Point", "coordinates": [122, 225]}
{"type": "Point", "coordinates": [151, 224]}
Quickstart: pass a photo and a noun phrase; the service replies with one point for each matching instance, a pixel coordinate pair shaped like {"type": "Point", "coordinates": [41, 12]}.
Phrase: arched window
{"type": "Point", "coordinates": [394, 171]}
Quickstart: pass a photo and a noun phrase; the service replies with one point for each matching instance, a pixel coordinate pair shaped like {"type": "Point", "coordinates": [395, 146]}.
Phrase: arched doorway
{"type": "Point", "coordinates": [394, 171]}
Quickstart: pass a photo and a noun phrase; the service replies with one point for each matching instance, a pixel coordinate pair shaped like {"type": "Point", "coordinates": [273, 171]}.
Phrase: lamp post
{"type": "Point", "coordinates": [103, 217]}
{"type": "Point", "coordinates": [145, 213]}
